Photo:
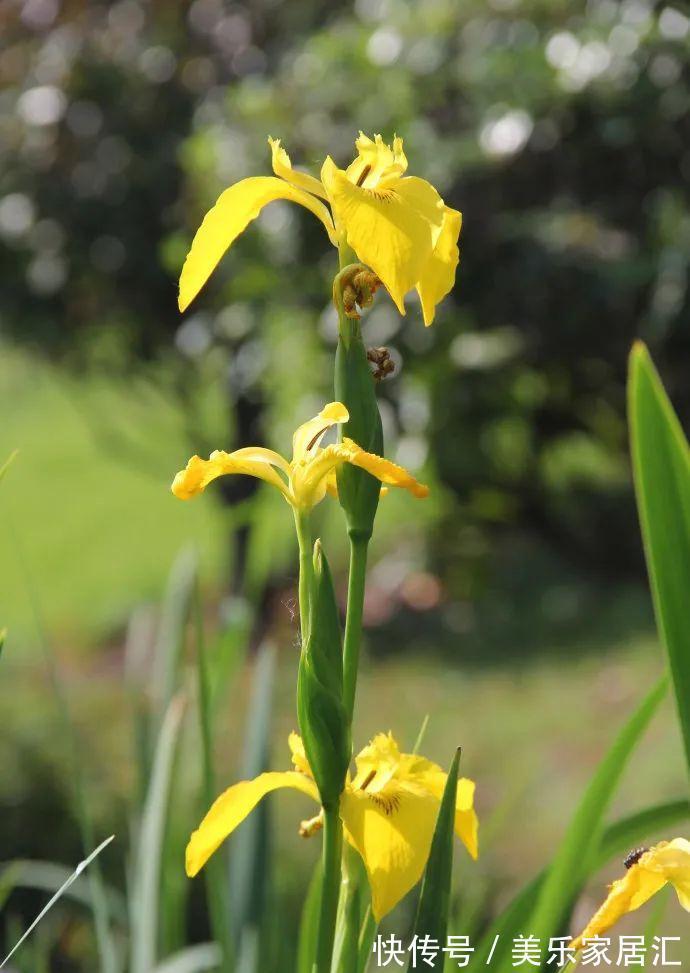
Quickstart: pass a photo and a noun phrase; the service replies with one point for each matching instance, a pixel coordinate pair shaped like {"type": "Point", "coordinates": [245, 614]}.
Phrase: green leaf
{"type": "Point", "coordinates": [250, 870]}
{"type": "Point", "coordinates": [8, 462]}
{"type": "Point", "coordinates": [661, 464]}
{"type": "Point", "coordinates": [366, 940]}
{"type": "Point", "coordinates": [215, 873]}
{"type": "Point", "coordinates": [618, 839]}
{"type": "Point", "coordinates": [150, 843]}
{"type": "Point", "coordinates": [434, 898]}
{"type": "Point", "coordinates": [309, 924]}
{"type": "Point", "coordinates": [43, 876]}
{"type": "Point", "coordinates": [194, 959]}
{"type": "Point", "coordinates": [573, 860]}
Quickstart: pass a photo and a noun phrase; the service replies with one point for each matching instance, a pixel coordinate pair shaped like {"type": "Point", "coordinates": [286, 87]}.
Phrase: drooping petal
{"type": "Point", "coordinates": [310, 433]}
{"type": "Point", "coordinates": [672, 859]}
{"type": "Point", "coordinates": [376, 161]}
{"type": "Point", "coordinates": [438, 274]}
{"type": "Point", "coordinates": [383, 469]}
{"type": "Point", "coordinates": [282, 166]}
{"type": "Point", "coordinates": [392, 833]}
{"type": "Point", "coordinates": [234, 210]}
{"type": "Point", "coordinates": [393, 230]}
{"type": "Point", "coordinates": [251, 460]}
{"type": "Point", "coordinates": [232, 807]}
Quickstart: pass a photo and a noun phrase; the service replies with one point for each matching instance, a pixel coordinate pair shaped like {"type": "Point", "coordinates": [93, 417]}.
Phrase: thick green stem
{"type": "Point", "coordinates": [306, 570]}
{"type": "Point", "coordinates": [330, 887]}
{"type": "Point", "coordinates": [353, 620]}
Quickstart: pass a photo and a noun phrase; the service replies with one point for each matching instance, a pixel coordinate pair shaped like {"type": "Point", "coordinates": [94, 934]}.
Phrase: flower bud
{"type": "Point", "coordinates": [358, 491]}
{"type": "Point", "coordinates": [322, 719]}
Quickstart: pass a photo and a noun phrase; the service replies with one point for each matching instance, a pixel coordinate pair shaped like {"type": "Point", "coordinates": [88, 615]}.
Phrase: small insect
{"type": "Point", "coordinates": [634, 856]}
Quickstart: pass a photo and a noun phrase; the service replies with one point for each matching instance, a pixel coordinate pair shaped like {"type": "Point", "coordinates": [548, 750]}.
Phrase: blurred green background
{"type": "Point", "coordinates": [512, 605]}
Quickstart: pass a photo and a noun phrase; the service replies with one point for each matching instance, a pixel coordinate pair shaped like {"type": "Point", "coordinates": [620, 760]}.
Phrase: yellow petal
{"type": "Point", "coordinates": [251, 460]}
{"type": "Point", "coordinates": [232, 807]}
{"type": "Point", "coordinates": [672, 859]}
{"type": "Point", "coordinates": [393, 229]}
{"type": "Point", "coordinates": [438, 274]}
{"type": "Point", "coordinates": [234, 210]}
{"type": "Point", "coordinates": [382, 469]}
{"type": "Point", "coordinates": [310, 433]}
{"type": "Point", "coordinates": [283, 168]}
{"type": "Point", "coordinates": [381, 757]}
{"type": "Point", "coordinates": [376, 161]}
{"type": "Point", "coordinates": [626, 894]}
{"type": "Point", "coordinates": [299, 757]}
{"type": "Point", "coordinates": [434, 779]}
{"type": "Point", "coordinates": [392, 833]}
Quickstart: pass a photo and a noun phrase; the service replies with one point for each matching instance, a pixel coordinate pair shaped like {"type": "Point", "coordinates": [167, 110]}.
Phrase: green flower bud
{"type": "Point", "coordinates": [322, 719]}
{"type": "Point", "coordinates": [358, 491]}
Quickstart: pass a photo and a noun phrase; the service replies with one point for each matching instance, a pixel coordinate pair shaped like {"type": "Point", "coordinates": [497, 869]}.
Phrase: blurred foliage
{"type": "Point", "coordinates": [560, 130]}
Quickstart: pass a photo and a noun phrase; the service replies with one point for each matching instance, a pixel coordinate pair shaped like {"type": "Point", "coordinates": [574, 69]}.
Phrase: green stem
{"type": "Point", "coordinates": [353, 620]}
{"type": "Point", "coordinates": [306, 569]}
{"type": "Point", "coordinates": [330, 887]}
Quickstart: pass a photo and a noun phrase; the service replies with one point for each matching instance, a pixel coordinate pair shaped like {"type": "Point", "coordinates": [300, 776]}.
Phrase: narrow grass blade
{"type": "Point", "coordinates": [150, 843]}
{"type": "Point", "coordinates": [8, 462]}
{"type": "Point", "coordinates": [366, 940]}
{"type": "Point", "coordinates": [618, 839]}
{"type": "Point", "coordinates": [661, 463]}
{"type": "Point", "coordinates": [309, 924]}
{"type": "Point", "coordinates": [250, 858]}
{"type": "Point", "coordinates": [45, 876]}
{"type": "Point", "coordinates": [434, 898]}
{"type": "Point", "coordinates": [215, 874]}
{"type": "Point", "coordinates": [420, 736]}
{"type": "Point", "coordinates": [194, 959]}
{"type": "Point", "coordinates": [63, 888]}
{"type": "Point", "coordinates": [171, 631]}
{"type": "Point", "coordinates": [573, 858]}
{"type": "Point", "coordinates": [107, 950]}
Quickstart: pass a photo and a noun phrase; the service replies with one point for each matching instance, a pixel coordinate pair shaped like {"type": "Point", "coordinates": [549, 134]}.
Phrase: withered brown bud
{"type": "Point", "coordinates": [381, 360]}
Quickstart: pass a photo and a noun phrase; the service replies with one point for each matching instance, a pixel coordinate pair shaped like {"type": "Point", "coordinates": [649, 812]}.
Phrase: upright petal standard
{"type": "Point", "coordinates": [397, 225]}
{"type": "Point", "coordinates": [388, 809]}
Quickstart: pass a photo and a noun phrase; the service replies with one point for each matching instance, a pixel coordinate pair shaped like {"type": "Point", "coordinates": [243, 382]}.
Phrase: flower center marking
{"type": "Point", "coordinates": [370, 777]}
{"type": "Point", "coordinates": [365, 172]}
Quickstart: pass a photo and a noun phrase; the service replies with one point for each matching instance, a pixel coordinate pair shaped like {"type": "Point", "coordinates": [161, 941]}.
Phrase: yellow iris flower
{"type": "Point", "coordinates": [669, 861]}
{"type": "Point", "coordinates": [389, 810]}
{"type": "Point", "coordinates": [397, 225]}
{"type": "Point", "coordinates": [306, 478]}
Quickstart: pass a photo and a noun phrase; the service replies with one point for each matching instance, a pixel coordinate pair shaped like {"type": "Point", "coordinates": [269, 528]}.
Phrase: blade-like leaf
{"type": "Point", "coordinates": [366, 940]}
{"type": "Point", "coordinates": [21, 873]}
{"type": "Point", "coordinates": [249, 850]}
{"type": "Point", "coordinates": [171, 630]}
{"type": "Point", "coordinates": [150, 843]}
{"type": "Point", "coordinates": [194, 959]}
{"type": "Point", "coordinates": [71, 878]}
{"type": "Point", "coordinates": [618, 839]}
{"type": "Point", "coordinates": [661, 463]}
{"type": "Point", "coordinates": [573, 859]}
{"type": "Point", "coordinates": [434, 898]}
{"type": "Point", "coordinates": [309, 924]}
{"type": "Point", "coordinates": [216, 884]}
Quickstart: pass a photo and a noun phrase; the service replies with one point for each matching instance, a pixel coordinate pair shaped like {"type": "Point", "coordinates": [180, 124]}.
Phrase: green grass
{"type": "Point", "coordinates": [86, 517]}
